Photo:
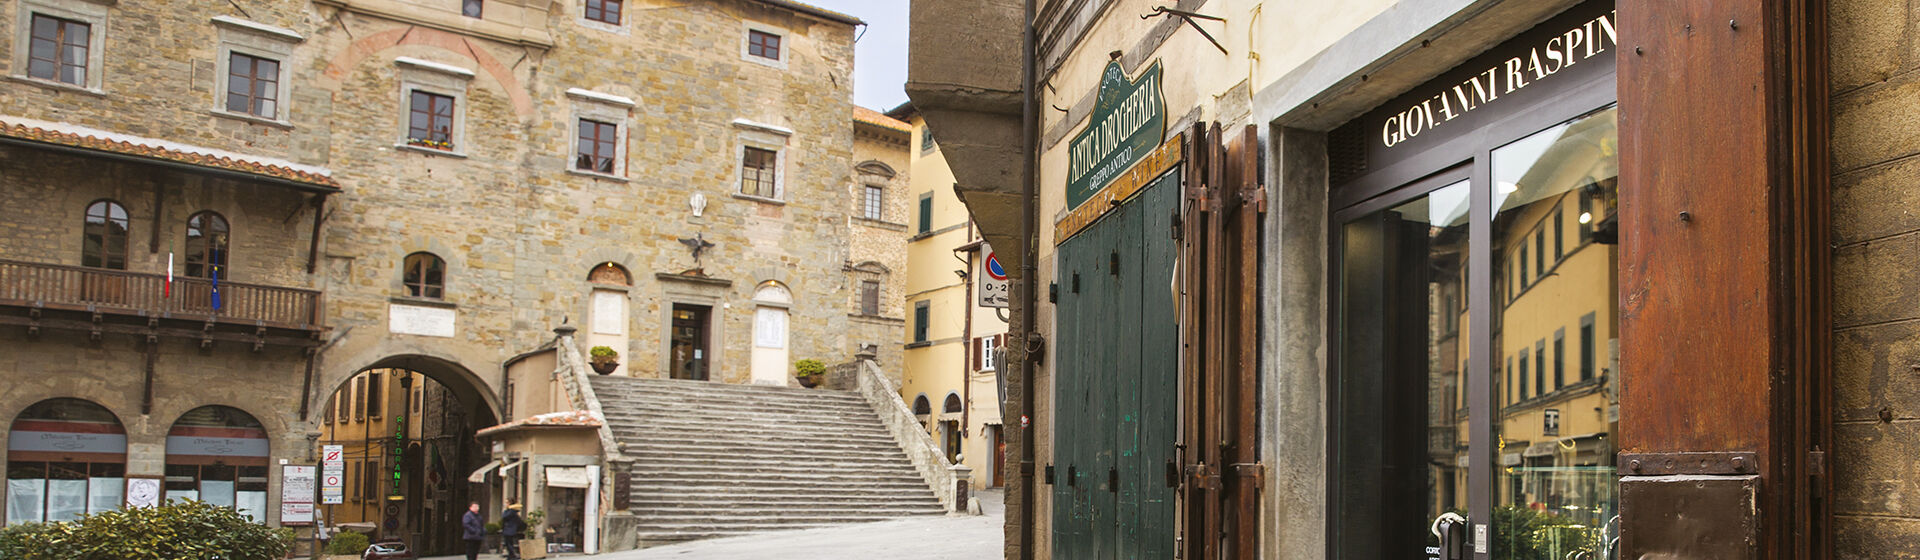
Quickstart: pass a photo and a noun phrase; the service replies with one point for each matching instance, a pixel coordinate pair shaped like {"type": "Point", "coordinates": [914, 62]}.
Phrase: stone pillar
{"type": "Point", "coordinates": [962, 483]}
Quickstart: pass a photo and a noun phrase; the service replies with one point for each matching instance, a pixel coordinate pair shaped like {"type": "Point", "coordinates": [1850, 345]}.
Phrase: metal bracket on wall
{"type": "Point", "coordinates": [1711, 463]}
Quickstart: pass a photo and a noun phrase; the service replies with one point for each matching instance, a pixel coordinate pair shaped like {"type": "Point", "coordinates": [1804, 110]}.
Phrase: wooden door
{"type": "Point", "coordinates": [689, 352]}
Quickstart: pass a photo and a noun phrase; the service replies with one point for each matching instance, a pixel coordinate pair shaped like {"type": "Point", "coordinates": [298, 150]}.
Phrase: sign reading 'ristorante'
{"type": "Point", "coordinates": [1129, 120]}
{"type": "Point", "coordinates": [1589, 39]}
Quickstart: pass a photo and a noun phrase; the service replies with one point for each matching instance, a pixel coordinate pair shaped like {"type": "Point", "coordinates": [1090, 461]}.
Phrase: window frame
{"type": "Point", "coordinates": [611, 141]}
{"type": "Point", "coordinates": [420, 290]}
{"type": "Point", "coordinates": [873, 202]}
{"type": "Point", "coordinates": [125, 237]}
{"type": "Point", "coordinates": [764, 137]}
{"type": "Point", "coordinates": [93, 14]}
{"type": "Point", "coordinates": [432, 112]}
{"type": "Point", "coordinates": [63, 31]}
{"type": "Point", "coordinates": [870, 295]}
{"type": "Point", "coordinates": [437, 79]}
{"type": "Point", "coordinates": [764, 187]}
{"type": "Point", "coordinates": [923, 215]}
{"type": "Point", "coordinates": [602, 108]}
{"type": "Point", "coordinates": [215, 252]}
{"type": "Point", "coordinates": [260, 41]}
{"type": "Point", "coordinates": [922, 315]}
{"type": "Point", "coordinates": [783, 51]}
{"type": "Point", "coordinates": [619, 22]}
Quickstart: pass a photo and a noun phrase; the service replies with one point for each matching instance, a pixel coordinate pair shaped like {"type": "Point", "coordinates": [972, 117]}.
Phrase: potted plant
{"type": "Point", "coordinates": [811, 373]}
{"type": "Point", "coordinates": [533, 544]}
{"type": "Point", "coordinates": [605, 359]}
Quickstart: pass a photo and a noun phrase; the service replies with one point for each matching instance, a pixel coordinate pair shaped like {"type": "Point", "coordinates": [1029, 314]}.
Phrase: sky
{"type": "Point", "coordinates": [880, 55]}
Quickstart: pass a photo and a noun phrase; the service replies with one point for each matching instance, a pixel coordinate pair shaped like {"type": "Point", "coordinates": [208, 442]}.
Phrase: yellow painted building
{"type": "Point", "coordinates": [949, 378]}
{"type": "Point", "coordinates": [395, 424]}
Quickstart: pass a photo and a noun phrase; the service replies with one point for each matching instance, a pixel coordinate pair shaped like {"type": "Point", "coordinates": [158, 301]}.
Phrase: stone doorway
{"type": "Point", "coordinates": [689, 351]}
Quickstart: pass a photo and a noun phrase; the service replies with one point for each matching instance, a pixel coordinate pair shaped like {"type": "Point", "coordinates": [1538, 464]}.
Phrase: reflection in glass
{"type": "Point", "coordinates": [1554, 488]}
{"type": "Point", "coordinates": [1402, 326]}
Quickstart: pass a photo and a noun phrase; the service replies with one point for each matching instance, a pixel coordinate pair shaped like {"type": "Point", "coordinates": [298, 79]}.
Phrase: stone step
{"type": "Point", "coordinates": [691, 452]}
{"type": "Point", "coordinates": [730, 408]}
{"type": "Point", "coordinates": [877, 469]}
{"type": "Point", "coordinates": [797, 425]}
{"type": "Point", "coordinates": [715, 414]}
{"type": "Point", "coordinates": [769, 479]}
{"type": "Point", "coordinates": [703, 526]}
{"type": "Point", "coordinates": [640, 435]}
{"type": "Point", "coordinates": [682, 386]}
{"type": "Point", "coordinates": [781, 501]}
{"type": "Point", "coordinates": [772, 446]}
{"type": "Point", "coordinates": [774, 517]}
{"type": "Point", "coordinates": [783, 511]}
{"type": "Point", "coordinates": [802, 484]}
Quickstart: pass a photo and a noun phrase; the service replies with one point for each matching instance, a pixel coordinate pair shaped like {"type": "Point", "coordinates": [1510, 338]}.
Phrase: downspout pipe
{"type": "Point", "coordinates": [1029, 274]}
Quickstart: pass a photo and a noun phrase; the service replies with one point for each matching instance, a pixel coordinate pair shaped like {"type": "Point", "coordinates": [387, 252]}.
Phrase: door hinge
{"type": "Point", "coordinates": [1175, 225]}
{"type": "Point", "coordinates": [1255, 473]}
{"type": "Point", "coordinates": [1258, 197]}
{"type": "Point", "coordinates": [1204, 477]}
{"type": "Point", "coordinates": [1053, 292]}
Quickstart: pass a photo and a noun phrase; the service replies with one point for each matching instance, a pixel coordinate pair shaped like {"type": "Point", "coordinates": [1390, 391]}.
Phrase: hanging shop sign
{"type": "Point", "coordinates": [1142, 174]}
{"type": "Point", "coordinates": [1129, 120]}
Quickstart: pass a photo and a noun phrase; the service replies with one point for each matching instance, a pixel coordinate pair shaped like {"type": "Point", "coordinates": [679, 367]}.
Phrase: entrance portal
{"type": "Point", "coordinates": [689, 350]}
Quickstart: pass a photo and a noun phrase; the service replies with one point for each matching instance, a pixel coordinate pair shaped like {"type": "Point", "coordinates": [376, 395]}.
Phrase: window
{"type": "Point", "coordinates": [1586, 347]}
{"type": "Point", "coordinates": [1540, 368]}
{"type": "Point", "coordinates": [67, 457]}
{"type": "Point", "coordinates": [430, 121]}
{"type": "Point", "coordinates": [219, 455]}
{"type": "Point", "coordinates": [370, 479]}
{"type": "Point", "coordinates": [359, 388]}
{"type": "Point", "coordinates": [253, 85]}
{"type": "Point", "coordinates": [207, 236]}
{"type": "Point", "coordinates": [1540, 252]}
{"type": "Point", "coordinates": [375, 404]}
{"type": "Point", "coordinates": [920, 321]}
{"type": "Point", "coordinates": [952, 404]}
{"type": "Point", "coordinates": [763, 44]}
{"type": "Point", "coordinates": [1523, 373]}
{"type": "Point", "coordinates": [757, 172]}
{"type": "Point", "coordinates": [596, 151]}
{"type": "Point", "coordinates": [921, 407]}
{"type": "Point", "coordinates": [471, 8]}
{"type": "Point", "coordinates": [604, 11]}
{"type": "Point", "coordinates": [353, 479]}
{"type": "Point", "coordinates": [1559, 233]}
{"type": "Point", "coordinates": [926, 139]}
{"type": "Point", "coordinates": [875, 197]}
{"type": "Point", "coordinates": [425, 276]}
{"type": "Point", "coordinates": [1509, 371]}
{"type": "Point", "coordinates": [926, 213]}
{"type": "Point", "coordinates": [104, 244]}
{"type": "Point", "coordinates": [1559, 358]}
{"type": "Point", "coordinates": [1523, 268]}
{"type": "Point", "coordinates": [869, 297]}
{"type": "Point", "coordinates": [59, 50]}
{"type": "Point", "coordinates": [983, 351]}
{"type": "Point", "coordinates": [345, 398]}
{"type": "Point", "coordinates": [1551, 422]}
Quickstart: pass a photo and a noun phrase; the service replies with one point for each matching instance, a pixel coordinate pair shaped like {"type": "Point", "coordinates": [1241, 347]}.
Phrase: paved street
{"type": "Point", "coordinates": [934, 538]}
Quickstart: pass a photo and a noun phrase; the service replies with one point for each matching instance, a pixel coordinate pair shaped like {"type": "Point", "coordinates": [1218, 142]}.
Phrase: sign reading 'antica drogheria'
{"type": "Point", "coordinates": [1129, 120]}
{"type": "Point", "coordinates": [1578, 43]}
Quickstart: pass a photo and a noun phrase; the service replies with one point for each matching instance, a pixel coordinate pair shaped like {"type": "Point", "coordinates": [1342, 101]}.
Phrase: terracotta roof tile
{"type": "Point", "coordinates": [562, 419]}
{"type": "Point", "coordinates": [876, 118]}
{"type": "Point", "coordinates": [62, 134]}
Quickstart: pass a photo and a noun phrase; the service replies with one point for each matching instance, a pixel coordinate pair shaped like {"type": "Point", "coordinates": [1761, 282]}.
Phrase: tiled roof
{"type": "Point", "coordinates": [74, 136]}
{"type": "Point", "coordinates": [876, 118]}
{"type": "Point", "coordinates": [562, 419]}
{"type": "Point", "coordinates": [815, 10]}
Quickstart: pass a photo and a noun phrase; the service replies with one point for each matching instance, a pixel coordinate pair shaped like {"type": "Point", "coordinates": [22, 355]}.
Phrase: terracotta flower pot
{"type": "Point", "coordinates": [604, 368]}
{"type": "Point", "coordinates": [812, 381]}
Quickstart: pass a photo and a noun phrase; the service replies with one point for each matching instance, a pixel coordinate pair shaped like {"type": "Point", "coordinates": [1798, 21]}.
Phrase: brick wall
{"type": "Point", "coordinates": [1876, 189]}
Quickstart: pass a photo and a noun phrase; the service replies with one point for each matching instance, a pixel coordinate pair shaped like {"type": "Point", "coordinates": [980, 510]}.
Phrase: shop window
{"type": "Point", "coordinates": [425, 276]}
{"type": "Point", "coordinates": [59, 50]}
{"type": "Point", "coordinates": [430, 121]}
{"type": "Point", "coordinates": [65, 457]}
{"type": "Point", "coordinates": [604, 11]}
{"type": "Point", "coordinates": [471, 8]}
{"type": "Point", "coordinates": [759, 172]}
{"type": "Point", "coordinates": [218, 455]}
{"type": "Point", "coordinates": [598, 147]}
{"type": "Point", "coordinates": [763, 44]}
{"type": "Point", "coordinates": [207, 242]}
{"type": "Point", "coordinates": [105, 236]}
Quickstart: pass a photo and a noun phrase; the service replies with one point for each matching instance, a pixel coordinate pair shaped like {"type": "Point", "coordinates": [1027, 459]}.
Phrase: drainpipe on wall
{"type": "Point", "coordinates": [1029, 277]}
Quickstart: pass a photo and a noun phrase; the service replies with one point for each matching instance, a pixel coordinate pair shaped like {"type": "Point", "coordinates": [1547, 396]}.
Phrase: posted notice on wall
{"type": "Point", "coordinates": [297, 484]}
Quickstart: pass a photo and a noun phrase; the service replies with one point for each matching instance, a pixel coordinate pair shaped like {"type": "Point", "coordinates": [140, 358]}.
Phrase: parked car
{"type": "Point", "coordinates": [388, 550]}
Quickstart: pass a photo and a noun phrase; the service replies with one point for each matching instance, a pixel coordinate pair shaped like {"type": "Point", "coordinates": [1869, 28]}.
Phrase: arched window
{"type": "Point", "coordinates": [218, 455]}
{"type": "Point", "coordinates": [921, 407]}
{"type": "Point", "coordinates": [105, 242]}
{"type": "Point", "coordinates": [953, 403]}
{"type": "Point", "coordinates": [425, 276]}
{"type": "Point", "coordinates": [206, 245]}
{"type": "Point", "coordinates": [770, 355]}
{"type": "Point", "coordinates": [65, 457]}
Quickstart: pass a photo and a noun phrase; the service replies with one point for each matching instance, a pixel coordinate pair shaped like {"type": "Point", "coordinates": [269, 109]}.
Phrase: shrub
{"type": "Point", "coordinates": [808, 367]}
{"type": "Point", "coordinates": [178, 530]}
{"type": "Point", "coordinates": [492, 528]}
{"type": "Point", "coordinates": [347, 542]}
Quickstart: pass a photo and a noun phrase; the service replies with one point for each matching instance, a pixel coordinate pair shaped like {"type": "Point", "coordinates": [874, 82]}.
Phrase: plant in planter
{"type": "Point", "coordinates": [811, 373]}
{"type": "Point", "coordinates": [605, 359]}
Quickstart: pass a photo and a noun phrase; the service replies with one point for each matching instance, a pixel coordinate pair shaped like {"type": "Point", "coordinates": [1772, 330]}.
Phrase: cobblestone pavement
{"type": "Point", "coordinates": [933, 538]}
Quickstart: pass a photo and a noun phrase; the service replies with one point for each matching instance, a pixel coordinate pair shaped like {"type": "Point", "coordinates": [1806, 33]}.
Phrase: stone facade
{"type": "Point", "coordinates": [877, 248]}
{"type": "Point", "coordinates": [1874, 75]}
{"type": "Point", "coordinates": [518, 226]}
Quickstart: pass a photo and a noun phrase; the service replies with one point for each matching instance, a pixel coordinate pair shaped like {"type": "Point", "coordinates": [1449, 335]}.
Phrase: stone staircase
{"type": "Point", "coordinates": [712, 459]}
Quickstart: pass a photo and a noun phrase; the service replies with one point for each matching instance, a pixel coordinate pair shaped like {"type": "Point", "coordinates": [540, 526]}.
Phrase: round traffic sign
{"type": "Point", "coordinates": [994, 269]}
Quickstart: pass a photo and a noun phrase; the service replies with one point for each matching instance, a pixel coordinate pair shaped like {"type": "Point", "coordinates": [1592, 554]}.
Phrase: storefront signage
{"type": "Point", "coordinates": [215, 446]}
{"type": "Point", "coordinates": [1157, 162]}
{"type": "Point", "coordinates": [296, 494]}
{"type": "Point", "coordinates": [1129, 119]}
{"type": "Point", "coordinates": [1559, 52]}
{"type": "Point", "coordinates": [66, 442]}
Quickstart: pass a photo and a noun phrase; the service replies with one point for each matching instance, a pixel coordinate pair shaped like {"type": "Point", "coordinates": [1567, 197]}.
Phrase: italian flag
{"type": "Point", "coordinates": [166, 290]}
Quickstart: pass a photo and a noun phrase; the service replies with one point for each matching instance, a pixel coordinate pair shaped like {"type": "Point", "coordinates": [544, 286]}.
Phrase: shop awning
{"type": "Point", "coordinates": [567, 477]}
{"type": "Point", "coordinates": [510, 466]}
{"type": "Point", "coordinates": [480, 475]}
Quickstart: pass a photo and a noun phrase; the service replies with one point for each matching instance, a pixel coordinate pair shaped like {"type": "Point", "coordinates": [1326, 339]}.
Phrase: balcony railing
{"type": "Point", "coordinates": [52, 285]}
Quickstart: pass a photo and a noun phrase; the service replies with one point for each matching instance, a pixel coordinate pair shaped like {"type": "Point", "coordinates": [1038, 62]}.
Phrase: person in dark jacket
{"type": "Point", "coordinates": [511, 527]}
{"type": "Point", "coordinates": [473, 529]}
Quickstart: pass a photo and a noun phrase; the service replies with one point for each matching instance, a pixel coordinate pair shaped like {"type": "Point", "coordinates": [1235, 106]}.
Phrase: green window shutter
{"type": "Point", "coordinates": [926, 214]}
{"type": "Point", "coordinates": [920, 323]}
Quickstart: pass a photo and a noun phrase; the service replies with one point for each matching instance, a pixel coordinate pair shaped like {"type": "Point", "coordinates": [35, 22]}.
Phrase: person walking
{"type": "Point", "coordinates": [511, 527]}
{"type": "Point", "coordinates": [473, 530]}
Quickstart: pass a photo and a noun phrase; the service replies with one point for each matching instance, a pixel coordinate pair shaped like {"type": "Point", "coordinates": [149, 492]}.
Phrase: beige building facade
{"type": "Point", "coordinates": [428, 187]}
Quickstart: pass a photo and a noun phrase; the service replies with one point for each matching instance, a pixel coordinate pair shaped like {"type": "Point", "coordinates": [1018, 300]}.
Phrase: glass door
{"type": "Point", "coordinates": [1503, 413]}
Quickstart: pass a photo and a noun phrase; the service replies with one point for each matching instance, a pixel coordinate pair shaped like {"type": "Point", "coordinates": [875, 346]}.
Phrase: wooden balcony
{"type": "Point", "coordinates": [99, 293]}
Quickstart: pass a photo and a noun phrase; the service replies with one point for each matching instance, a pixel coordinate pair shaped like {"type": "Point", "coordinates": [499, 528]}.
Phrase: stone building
{"type": "Point", "coordinates": [878, 261]}
{"type": "Point", "coordinates": [1506, 279]}
{"type": "Point", "coordinates": [383, 184]}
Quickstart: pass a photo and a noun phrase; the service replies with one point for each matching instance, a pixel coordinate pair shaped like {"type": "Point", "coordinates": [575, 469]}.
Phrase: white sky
{"type": "Point", "coordinates": [880, 56]}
